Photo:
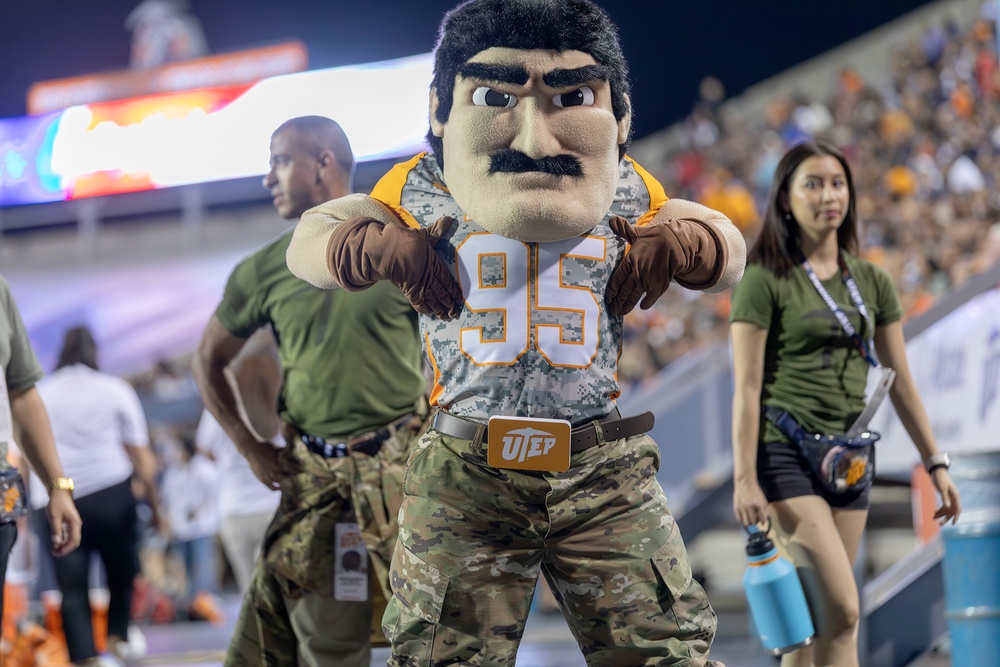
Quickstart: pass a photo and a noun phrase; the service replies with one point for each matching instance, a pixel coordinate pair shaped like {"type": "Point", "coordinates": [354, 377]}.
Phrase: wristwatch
{"type": "Point", "coordinates": [64, 483]}
{"type": "Point", "coordinates": [936, 461]}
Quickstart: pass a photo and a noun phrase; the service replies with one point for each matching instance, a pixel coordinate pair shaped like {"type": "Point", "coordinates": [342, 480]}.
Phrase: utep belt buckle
{"type": "Point", "coordinates": [526, 443]}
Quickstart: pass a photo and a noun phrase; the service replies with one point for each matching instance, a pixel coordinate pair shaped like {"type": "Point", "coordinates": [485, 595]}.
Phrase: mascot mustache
{"type": "Point", "coordinates": [509, 160]}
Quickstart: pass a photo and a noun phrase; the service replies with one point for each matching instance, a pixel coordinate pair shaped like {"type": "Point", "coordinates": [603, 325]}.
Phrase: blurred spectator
{"type": "Point", "coordinates": [923, 141]}
{"type": "Point", "coordinates": [245, 505]}
{"type": "Point", "coordinates": [965, 177]}
{"type": "Point", "coordinates": [190, 501]}
{"type": "Point", "coordinates": [100, 433]}
{"type": "Point", "coordinates": [730, 197]}
{"type": "Point", "coordinates": [22, 414]}
{"type": "Point", "coordinates": [167, 383]}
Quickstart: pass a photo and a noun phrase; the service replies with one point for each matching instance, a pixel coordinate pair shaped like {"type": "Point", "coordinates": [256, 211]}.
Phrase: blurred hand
{"type": "Point", "coordinates": [155, 520]}
{"type": "Point", "coordinates": [163, 527]}
{"type": "Point", "coordinates": [951, 504]}
{"type": "Point", "coordinates": [749, 502]}
{"type": "Point", "coordinates": [263, 459]}
{"type": "Point", "coordinates": [65, 521]}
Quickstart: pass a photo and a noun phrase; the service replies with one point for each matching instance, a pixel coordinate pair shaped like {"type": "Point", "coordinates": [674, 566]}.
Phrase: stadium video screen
{"type": "Point", "coordinates": [209, 134]}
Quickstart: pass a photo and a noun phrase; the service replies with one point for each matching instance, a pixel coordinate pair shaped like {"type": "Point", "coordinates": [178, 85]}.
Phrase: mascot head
{"type": "Point", "coordinates": [530, 114]}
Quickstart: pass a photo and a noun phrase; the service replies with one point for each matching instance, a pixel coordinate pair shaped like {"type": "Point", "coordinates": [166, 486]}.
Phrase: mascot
{"type": "Point", "coordinates": [523, 238]}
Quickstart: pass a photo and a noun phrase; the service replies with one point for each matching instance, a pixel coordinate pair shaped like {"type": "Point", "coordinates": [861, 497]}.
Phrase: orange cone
{"type": "Point", "coordinates": [15, 609]}
{"type": "Point", "coordinates": [204, 605]}
{"type": "Point", "coordinates": [52, 614]}
{"type": "Point", "coordinates": [99, 600]}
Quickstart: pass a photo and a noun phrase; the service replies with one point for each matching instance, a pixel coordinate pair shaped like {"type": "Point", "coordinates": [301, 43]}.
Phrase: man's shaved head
{"type": "Point", "coordinates": [317, 134]}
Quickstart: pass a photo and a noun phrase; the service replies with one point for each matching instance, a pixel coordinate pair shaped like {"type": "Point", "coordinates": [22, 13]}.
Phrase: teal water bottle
{"type": "Point", "coordinates": [777, 604]}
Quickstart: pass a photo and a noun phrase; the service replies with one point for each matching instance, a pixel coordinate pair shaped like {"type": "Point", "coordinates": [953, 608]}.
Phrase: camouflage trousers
{"type": "Point", "coordinates": [474, 538]}
{"type": "Point", "coordinates": [290, 616]}
{"type": "Point", "coordinates": [305, 629]}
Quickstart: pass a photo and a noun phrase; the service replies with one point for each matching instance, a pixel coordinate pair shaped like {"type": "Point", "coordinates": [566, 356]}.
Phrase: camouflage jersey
{"type": "Point", "coordinates": [535, 338]}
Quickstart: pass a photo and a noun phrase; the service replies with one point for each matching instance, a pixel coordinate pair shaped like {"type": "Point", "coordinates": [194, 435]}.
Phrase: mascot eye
{"type": "Point", "coordinates": [581, 97]}
{"type": "Point", "coordinates": [487, 97]}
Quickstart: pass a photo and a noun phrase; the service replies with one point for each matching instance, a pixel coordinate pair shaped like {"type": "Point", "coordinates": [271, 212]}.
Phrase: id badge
{"type": "Point", "coordinates": [875, 399]}
{"type": "Point", "coordinates": [526, 443]}
{"type": "Point", "coordinates": [351, 564]}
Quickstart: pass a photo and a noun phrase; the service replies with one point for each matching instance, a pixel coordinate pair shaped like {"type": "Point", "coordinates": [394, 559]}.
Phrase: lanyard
{"type": "Point", "coordinates": [852, 287]}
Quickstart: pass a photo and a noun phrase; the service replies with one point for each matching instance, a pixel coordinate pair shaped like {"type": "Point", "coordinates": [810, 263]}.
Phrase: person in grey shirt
{"type": "Point", "coordinates": [28, 425]}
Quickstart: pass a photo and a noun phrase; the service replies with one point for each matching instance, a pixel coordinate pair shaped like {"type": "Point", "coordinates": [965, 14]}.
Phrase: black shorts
{"type": "Point", "coordinates": [783, 473]}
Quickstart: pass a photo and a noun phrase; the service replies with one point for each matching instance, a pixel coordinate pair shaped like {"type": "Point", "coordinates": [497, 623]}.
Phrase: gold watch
{"type": "Point", "coordinates": [64, 483]}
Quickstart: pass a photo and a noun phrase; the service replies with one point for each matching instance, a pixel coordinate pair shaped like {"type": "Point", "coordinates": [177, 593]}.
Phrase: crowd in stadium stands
{"type": "Point", "coordinates": [922, 142]}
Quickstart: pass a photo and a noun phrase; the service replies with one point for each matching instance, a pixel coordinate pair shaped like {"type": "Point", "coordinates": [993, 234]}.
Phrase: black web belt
{"type": "Point", "coordinates": [369, 443]}
{"type": "Point", "coordinates": [613, 427]}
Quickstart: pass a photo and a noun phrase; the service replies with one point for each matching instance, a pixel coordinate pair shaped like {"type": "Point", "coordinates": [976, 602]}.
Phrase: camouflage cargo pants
{"type": "Point", "coordinates": [473, 539]}
{"type": "Point", "coordinates": [304, 629]}
{"type": "Point", "coordinates": [289, 617]}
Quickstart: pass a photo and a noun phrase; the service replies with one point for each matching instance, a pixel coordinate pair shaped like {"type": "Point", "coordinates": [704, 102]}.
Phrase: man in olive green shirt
{"type": "Point", "coordinates": [351, 373]}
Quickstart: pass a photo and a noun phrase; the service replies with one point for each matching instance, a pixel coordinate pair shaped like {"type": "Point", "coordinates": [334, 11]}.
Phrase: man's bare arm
{"type": "Point", "coordinates": [256, 374]}
{"type": "Point", "coordinates": [34, 435]}
{"type": "Point", "coordinates": [216, 351]}
{"type": "Point", "coordinates": [144, 464]}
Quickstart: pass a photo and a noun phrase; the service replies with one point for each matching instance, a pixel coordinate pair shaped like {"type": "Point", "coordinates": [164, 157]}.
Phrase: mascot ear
{"type": "Point", "coordinates": [625, 124]}
{"type": "Point", "coordinates": [437, 127]}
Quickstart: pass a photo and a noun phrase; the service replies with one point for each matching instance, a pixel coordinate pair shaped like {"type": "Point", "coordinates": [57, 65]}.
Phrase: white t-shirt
{"type": "Point", "coordinates": [190, 493]}
{"type": "Point", "coordinates": [240, 492]}
{"type": "Point", "coordinates": [93, 415]}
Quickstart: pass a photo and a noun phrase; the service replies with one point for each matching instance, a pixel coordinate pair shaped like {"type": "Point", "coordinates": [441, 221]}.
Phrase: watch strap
{"type": "Point", "coordinates": [64, 483]}
{"type": "Point", "coordinates": [935, 461]}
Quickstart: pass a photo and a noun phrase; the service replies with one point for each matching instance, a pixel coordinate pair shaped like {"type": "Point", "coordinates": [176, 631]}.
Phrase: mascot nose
{"type": "Point", "coordinates": [534, 135]}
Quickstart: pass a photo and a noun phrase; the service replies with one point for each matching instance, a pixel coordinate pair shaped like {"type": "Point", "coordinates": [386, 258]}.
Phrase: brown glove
{"type": "Point", "coordinates": [687, 251]}
{"type": "Point", "coordinates": [363, 251]}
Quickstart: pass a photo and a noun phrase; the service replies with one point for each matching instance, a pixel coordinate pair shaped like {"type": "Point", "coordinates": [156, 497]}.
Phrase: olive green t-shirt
{"type": "Point", "coordinates": [812, 370]}
{"type": "Point", "coordinates": [17, 358]}
{"type": "Point", "coordinates": [351, 361]}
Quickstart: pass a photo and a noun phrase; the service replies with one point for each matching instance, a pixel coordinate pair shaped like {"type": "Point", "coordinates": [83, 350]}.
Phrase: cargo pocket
{"type": "Point", "coordinates": [412, 615]}
{"type": "Point", "coordinates": [690, 619]}
{"type": "Point", "coordinates": [412, 475]}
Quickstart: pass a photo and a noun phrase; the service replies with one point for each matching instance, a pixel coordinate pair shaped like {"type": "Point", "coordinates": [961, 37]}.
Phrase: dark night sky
{"type": "Point", "coordinates": [670, 45]}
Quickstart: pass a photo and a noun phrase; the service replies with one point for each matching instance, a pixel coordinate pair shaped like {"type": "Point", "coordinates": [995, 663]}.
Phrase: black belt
{"type": "Point", "coordinates": [613, 427]}
{"type": "Point", "coordinates": [369, 443]}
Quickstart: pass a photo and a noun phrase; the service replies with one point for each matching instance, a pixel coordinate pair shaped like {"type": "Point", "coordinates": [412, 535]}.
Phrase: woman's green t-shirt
{"type": "Point", "coordinates": [812, 370]}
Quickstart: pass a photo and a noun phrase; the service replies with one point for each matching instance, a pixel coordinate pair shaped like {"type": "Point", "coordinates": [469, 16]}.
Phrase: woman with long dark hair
{"type": "Point", "coordinates": [101, 436]}
{"type": "Point", "coordinates": [803, 322]}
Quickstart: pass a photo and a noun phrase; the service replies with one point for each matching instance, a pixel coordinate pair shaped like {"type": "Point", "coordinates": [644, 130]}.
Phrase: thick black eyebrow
{"type": "Point", "coordinates": [567, 78]}
{"type": "Point", "coordinates": [515, 74]}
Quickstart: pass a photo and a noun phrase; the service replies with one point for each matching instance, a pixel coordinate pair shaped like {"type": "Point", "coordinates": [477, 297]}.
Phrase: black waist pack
{"type": "Point", "coordinates": [841, 464]}
{"type": "Point", "coordinates": [13, 496]}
